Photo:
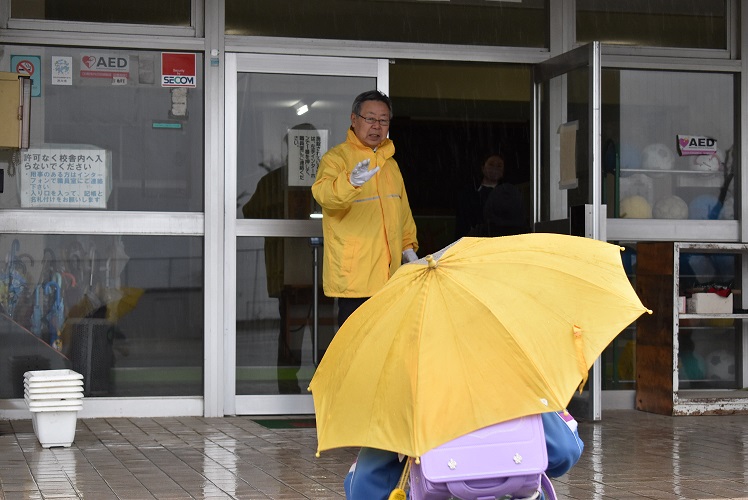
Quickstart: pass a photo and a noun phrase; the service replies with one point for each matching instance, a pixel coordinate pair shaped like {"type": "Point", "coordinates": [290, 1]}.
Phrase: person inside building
{"type": "Point", "coordinates": [367, 223]}
{"type": "Point", "coordinates": [274, 199]}
{"type": "Point", "coordinates": [503, 213]}
{"type": "Point", "coordinates": [472, 201]}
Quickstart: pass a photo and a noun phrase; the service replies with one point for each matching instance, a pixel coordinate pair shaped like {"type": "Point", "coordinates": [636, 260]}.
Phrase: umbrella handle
{"type": "Point", "coordinates": [56, 286]}
{"type": "Point", "coordinates": [108, 271]}
{"type": "Point", "coordinates": [581, 361]}
{"type": "Point", "coordinates": [92, 255]}
{"type": "Point", "coordinates": [71, 277]}
{"type": "Point", "coordinates": [399, 492]}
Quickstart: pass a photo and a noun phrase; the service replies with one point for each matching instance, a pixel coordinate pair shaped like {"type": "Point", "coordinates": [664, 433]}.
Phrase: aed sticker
{"type": "Point", "coordinates": [31, 66]}
{"type": "Point", "coordinates": [96, 65]}
{"type": "Point", "coordinates": [690, 145]}
{"type": "Point", "coordinates": [178, 69]}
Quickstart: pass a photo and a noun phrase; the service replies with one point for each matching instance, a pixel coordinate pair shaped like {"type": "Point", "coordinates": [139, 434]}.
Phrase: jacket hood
{"type": "Point", "coordinates": [386, 148]}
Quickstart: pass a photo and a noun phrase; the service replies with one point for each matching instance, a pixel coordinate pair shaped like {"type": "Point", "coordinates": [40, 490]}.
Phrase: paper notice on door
{"type": "Point", "coordinates": [568, 159]}
{"type": "Point", "coordinates": [305, 149]}
{"type": "Point", "coordinates": [65, 176]}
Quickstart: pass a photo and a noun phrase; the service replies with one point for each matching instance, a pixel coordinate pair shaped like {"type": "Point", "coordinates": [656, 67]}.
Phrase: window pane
{"type": "Point", "coordinates": [698, 24]}
{"type": "Point", "coordinates": [142, 143]}
{"type": "Point", "coordinates": [169, 13]}
{"type": "Point", "coordinates": [619, 358]}
{"type": "Point", "coordinates": [103, 306]}
{"type": "Point", "coordinates": [643, 114]}
{"type": "Point", "coordinates": [278, 147]}
{"type": "Point", "coordinates": [474, 23]}
{"type": "Point", "coordinates": [450, 118]}
{"type": "Point", "coordinates": [277, 315]}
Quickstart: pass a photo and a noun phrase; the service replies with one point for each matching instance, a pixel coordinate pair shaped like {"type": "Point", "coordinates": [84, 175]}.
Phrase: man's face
{"type": "Point", "coordinates": [493, 169]}
{"type": "Point", "coordinates": [371, 134]}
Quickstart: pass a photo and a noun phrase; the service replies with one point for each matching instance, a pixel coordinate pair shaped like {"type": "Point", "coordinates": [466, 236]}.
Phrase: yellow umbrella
{"type": "Point", "coordinates": [121, 301]}
{"type": "Point", "coordinates": [486, 330]}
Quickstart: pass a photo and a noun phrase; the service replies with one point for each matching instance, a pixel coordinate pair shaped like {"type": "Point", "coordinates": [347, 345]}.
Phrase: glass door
{"type": "Point", "coordinates": [567, 175]}
{"type": "Point", "coordinates": [282, 114]}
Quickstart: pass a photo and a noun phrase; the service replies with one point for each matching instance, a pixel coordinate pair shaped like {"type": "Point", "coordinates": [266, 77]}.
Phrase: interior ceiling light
{"type": "Point", "coordinates": [465, 2]}
{"type": "Point", "coordinates": [300, 108]}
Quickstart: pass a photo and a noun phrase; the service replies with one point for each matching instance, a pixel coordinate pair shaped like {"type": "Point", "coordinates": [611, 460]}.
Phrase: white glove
{"type": "Point", "coordinates": [409, 256]}
{"type": "Point", "coordinates": [361, 173]}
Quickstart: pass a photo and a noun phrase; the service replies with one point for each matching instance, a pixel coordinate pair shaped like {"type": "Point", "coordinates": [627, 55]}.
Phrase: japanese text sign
{"type": "Point", "coordinates": [65, 176]}
{"type": "Point", "coordinates": [305, 149]}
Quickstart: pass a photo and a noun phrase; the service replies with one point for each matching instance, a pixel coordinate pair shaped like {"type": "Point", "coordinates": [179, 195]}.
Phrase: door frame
{"type": "Point", "coordinates": [236, 63]}
{"type": "Point", "coordinates": [594, 217]}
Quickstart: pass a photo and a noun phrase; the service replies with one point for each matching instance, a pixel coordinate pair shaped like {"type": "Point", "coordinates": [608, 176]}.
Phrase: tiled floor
{"type": "Point", "coordinates": [628, 455]}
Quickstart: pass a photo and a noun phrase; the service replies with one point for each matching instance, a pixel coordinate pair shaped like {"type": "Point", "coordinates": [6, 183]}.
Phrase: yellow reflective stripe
{"type": "Point", "coordinates": [366, 199]}
{"type": "Point", "coordinates": [371, 198]}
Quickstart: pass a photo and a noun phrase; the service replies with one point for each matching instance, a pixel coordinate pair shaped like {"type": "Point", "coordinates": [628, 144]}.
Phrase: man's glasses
{"type": "Point", "coordinates": [372, 121]}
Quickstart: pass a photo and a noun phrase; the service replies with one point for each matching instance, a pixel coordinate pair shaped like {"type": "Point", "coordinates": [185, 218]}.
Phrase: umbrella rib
{"type": "Point", "coordinates": [428, 281]}
{"type": "Point", "coordinates": [545, 382]}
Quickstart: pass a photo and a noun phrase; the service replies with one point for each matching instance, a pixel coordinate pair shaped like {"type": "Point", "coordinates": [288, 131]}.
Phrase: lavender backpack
{"type": "Point", "coordinates": [506, 459]}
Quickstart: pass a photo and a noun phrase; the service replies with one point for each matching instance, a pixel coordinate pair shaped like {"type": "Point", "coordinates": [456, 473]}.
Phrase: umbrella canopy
{"type": "Point", "coordinates": [486, 330]}
{"type": "Point", "coordinates": [121, 301]}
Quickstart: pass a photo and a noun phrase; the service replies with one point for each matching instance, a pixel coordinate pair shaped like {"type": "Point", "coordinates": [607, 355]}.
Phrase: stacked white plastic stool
{"type": "Point", "coordinates": [54, 398]}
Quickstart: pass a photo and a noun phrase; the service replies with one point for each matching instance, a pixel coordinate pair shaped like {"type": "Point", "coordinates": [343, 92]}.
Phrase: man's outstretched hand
{"type": "Point", "coordinates": [361, 173]}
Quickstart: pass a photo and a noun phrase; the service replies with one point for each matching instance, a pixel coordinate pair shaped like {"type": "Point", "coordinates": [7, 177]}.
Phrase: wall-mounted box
{"type": "Point", "coordinates": [15, 110]}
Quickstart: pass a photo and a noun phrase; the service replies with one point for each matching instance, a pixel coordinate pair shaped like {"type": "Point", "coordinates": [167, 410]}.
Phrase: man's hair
{"type": "Point", "coordinates": [370, 95]}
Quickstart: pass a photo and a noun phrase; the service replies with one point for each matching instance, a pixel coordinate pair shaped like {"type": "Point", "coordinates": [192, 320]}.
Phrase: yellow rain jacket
{"type": "Point", "coordinates": [365, 228]}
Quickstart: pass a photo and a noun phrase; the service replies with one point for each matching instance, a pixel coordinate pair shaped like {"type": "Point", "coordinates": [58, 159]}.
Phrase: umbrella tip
{"type": "Point", "coordinates": [430, 260]}
{"type": "Point", "coordinates": [649, 311]}
{"type": "Point", "coordinates": [316, 455]}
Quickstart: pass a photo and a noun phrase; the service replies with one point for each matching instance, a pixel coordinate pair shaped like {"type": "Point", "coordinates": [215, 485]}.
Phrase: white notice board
{"type": "Point", "coordinates": [65, 176]}
{"type": "Point", "coordinates": [305, 148]}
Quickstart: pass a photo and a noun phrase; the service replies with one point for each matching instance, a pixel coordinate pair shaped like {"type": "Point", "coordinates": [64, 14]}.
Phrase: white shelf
{"type": "Point", "coordinates": [702, 173]}
{"type": "Point", "coordinates": [684, 179]}
{"type": "Point", "coordinates": [712, 316]}
{"type": "Point", "coordinates": [656, 377]}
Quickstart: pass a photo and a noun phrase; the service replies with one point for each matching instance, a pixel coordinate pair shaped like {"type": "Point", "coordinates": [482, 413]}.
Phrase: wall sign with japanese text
{"type": "Point", "coordinates": [65, 176]}
{"type": "Point", "coordinates": [305, 149]}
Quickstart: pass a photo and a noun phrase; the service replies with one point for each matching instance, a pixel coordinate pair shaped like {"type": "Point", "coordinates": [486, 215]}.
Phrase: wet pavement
{"type": "Point", "coordinates": [629, 454]}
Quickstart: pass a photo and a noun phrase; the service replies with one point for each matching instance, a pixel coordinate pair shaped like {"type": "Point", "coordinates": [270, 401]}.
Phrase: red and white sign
{"type": "Point", "coordinates": [104, 66]}
{"type": "Point", "coordinates": [696, 145]}
{"type": "Point", "coordinates": [25, 67]}
{"type": "Point", "coordinates": [178, 69]}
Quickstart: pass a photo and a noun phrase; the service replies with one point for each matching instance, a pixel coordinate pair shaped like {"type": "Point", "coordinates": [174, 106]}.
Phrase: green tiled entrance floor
{"type": "Point", "coordinates": [628, 455]}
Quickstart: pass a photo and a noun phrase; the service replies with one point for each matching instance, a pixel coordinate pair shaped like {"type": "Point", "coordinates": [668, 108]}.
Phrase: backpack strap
{"type": "Point", "coordinates": [547, 486]}
{"type": "Point", "coordinates": [399, 492]}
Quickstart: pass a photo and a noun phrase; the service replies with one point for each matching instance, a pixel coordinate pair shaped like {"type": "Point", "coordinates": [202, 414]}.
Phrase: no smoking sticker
{"type": "Point", "coordinates": [31, 66]}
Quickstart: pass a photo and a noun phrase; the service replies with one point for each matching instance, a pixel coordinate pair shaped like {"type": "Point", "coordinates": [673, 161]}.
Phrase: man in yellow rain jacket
{"type": "Point", "coordinates": [367, 225]}
{"type": "Point", "coordinates": [369, 232]}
